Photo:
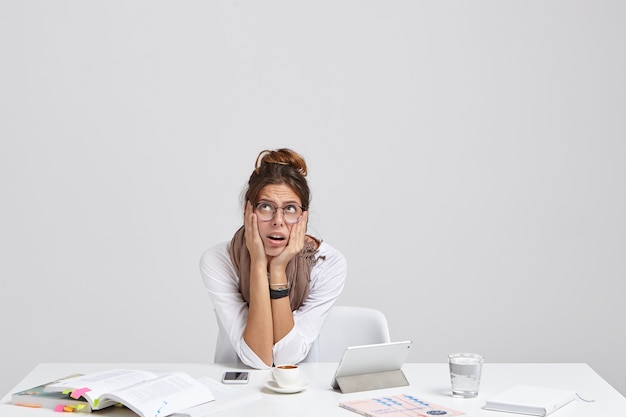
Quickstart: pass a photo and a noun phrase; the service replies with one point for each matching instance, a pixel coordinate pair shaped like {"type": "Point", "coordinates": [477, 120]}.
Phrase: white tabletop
{"type": "Point", "coordinates": [428, 381]}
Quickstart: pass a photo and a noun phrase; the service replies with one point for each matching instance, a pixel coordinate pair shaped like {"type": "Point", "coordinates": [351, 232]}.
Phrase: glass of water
{"type": "Point", "coordinates": [465, 369]}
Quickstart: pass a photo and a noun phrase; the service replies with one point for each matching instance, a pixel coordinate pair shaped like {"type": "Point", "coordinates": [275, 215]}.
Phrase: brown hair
{"type": "Point", "coordinates": [281, 166]}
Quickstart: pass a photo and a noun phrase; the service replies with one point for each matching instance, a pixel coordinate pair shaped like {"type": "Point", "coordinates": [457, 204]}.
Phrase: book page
{"type": "Point", "coordinates": [163, 395]}
{"type": "Point", "coordinates": [225, 397]}
{"type": "Point", "coordinates": [93, 386]}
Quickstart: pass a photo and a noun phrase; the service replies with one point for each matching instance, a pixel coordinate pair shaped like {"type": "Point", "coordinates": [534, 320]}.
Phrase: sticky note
{"type": "Point", "coordinates": [59, 408]}
{"type": "Point", "coordinates": [68, 409]}
{"type": "Point", "coordinates": [76, 394]}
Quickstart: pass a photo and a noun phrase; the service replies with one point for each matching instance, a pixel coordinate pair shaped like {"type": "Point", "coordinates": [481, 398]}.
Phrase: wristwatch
{"type": "Point", "coordinates": [280, 293]}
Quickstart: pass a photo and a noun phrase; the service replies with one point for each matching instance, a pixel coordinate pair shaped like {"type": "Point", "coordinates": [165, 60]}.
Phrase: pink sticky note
{"type": "Point", "coordinates": [78, 392]}
{"type": "Point", "coordinates": [59, 408]}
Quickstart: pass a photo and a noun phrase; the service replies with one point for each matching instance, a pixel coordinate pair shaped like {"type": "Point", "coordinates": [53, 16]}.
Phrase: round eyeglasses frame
{"type": "Point", "coordinates": [275, 209]}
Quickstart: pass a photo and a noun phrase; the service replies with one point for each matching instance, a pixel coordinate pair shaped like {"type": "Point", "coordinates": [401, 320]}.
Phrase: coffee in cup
{"type": "Point", "coordinates": [286, 376]}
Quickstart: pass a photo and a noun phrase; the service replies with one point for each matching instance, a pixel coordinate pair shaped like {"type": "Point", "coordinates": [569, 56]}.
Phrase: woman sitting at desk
{"type": "Point", "coordinates": [273, 285]}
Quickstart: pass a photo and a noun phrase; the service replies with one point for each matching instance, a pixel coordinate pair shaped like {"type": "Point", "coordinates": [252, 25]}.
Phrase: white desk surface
{"type": "Point", "coordinates": [428, 381]}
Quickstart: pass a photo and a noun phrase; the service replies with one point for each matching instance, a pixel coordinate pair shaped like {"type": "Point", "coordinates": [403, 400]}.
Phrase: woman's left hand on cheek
{"type": "Point", "coordinates": [296, 239]}
{"type": "Point", "coordinates": [298, 232]}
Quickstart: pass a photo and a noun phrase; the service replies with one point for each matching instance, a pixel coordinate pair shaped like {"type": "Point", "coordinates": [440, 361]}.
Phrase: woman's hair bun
{"type": "Point", "coordinates": [281, 156]}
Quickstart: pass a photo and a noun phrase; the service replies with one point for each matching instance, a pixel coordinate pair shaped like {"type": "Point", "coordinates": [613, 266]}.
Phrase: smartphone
{"type": "Point", "coordinates": [235, 377]}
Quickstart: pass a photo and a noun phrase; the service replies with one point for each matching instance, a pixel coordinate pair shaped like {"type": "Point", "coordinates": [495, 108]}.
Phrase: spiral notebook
{"type": "Point", "coordinates": [403, 405]}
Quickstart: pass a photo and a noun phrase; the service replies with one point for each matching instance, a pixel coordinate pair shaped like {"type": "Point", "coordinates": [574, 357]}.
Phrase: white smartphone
{"type": "Point", "coordinates": [235, 377]}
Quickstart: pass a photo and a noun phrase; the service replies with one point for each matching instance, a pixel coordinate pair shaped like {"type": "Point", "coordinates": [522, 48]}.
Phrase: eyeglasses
{"type": "Point", "coordinates": [266, 212]}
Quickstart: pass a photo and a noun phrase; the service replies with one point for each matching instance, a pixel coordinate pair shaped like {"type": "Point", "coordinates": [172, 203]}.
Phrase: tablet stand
{"type": "Point", "coordinates": [367, 382]}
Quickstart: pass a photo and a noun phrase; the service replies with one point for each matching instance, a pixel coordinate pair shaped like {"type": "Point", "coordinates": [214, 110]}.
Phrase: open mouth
{"type": "Point", "coordinates": [276, 238]}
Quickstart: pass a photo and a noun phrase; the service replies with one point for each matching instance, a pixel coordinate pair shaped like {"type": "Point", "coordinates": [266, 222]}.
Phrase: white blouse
{"type": "Point", "coordinates": [300, 344]}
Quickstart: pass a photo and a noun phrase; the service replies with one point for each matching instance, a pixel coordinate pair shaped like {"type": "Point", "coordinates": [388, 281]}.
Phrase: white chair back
{"type": "Point", "coordinates": [351, 326]}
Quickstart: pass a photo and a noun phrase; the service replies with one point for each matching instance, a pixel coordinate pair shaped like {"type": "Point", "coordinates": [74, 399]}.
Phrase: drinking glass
{"type": "Point", "coordinates": [465, 369]}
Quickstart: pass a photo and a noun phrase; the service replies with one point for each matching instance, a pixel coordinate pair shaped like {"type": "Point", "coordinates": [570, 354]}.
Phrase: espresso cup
{"type": "Point", "coordinates": [286, 376]}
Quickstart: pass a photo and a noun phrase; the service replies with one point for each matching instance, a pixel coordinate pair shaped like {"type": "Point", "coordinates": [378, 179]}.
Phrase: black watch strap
{"type": "Point", "coordinates": [276, 294]}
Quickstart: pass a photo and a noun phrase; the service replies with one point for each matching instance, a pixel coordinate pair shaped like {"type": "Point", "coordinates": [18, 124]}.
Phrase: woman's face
{"type": "Point", "coordinates": [275, 232]}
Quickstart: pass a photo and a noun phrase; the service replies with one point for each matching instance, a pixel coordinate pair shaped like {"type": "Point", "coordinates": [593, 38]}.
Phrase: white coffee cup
{"type": "Point", "coordinates": [286, 376]}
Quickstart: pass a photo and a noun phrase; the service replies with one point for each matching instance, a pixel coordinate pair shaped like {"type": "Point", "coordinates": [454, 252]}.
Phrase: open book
{"type": "Point", "coordinates": [146, 393]}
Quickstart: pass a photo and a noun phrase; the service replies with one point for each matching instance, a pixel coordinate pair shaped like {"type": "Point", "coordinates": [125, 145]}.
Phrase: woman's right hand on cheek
{"type": "Point", "coordinates": [253, 238]}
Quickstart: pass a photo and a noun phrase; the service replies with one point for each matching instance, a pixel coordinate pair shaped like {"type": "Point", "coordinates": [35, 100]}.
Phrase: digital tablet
{"type": "Point", "coordinates": [367, 359]}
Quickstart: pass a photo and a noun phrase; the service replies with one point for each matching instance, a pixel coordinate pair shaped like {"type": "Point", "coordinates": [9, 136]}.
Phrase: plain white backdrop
{"type": "Point", "coordinates": [467, 157]}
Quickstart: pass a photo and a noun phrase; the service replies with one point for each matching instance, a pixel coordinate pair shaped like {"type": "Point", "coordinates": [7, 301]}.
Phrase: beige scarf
{"type": "Point", "coordinates": [298, 269]}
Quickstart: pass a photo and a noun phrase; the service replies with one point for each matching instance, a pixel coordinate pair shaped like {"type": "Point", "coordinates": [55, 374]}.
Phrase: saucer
{"type": "Point", "coordinates": [302, 385]}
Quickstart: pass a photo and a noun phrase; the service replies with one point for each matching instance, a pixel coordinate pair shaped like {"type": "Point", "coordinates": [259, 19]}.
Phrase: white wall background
{"type": "Point", "coordinates": [467, 157]}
